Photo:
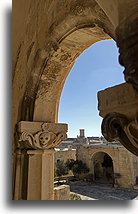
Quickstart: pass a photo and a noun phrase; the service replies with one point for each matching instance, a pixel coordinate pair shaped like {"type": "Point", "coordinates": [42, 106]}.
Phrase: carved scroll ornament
{"type": "Point", "coordinates": [44, 139]}
{"type": "Point", "coordinates": [116, 126]}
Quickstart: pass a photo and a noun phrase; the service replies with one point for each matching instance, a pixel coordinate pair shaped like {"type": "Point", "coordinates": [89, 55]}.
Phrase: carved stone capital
{"type": "Point", "coordinates": [116, 126]}
{"type": "Point", "coordinates": [127, 41]}
{"type": "Point", "coordinates": [118, 107]}
{"type": "Point", "coordinates": [39, 135]}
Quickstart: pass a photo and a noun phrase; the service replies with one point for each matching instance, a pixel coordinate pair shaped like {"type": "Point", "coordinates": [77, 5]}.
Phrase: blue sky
{"type": "Point", "coordinates": [95, 69]}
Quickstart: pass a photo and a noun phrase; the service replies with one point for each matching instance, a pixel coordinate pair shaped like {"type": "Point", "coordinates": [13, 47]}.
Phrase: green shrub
{"type": "Point", "coordinates": [77, 166]}
{"type": "Point", "coordinates": [61, 169]}
{"type": "Point", "coordinates": [69, 163]}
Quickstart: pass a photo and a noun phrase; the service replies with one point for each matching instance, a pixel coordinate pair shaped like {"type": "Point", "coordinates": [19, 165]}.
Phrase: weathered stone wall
{"type": "Point", "coordinates": [65, 154]}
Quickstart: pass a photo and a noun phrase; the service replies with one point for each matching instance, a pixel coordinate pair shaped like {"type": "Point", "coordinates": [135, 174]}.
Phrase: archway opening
{"type": "Point", "coordinates": [103, 168]}
{"type": "Point", "coordinates": [95, 69]}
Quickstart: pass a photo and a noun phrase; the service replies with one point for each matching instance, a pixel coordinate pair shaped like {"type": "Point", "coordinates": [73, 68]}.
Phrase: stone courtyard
{"type": "Point", "coordinates": [91, 191]}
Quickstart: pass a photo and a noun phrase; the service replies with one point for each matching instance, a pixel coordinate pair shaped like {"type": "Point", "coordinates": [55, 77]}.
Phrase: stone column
{"type": "Point", "coordinates": [34, 170]}
{"type": "Point", "coordinates": [118, 107]}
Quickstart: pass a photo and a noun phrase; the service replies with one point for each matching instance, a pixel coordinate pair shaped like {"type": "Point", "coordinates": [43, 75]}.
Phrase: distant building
{"type": "Point", "coordinates": [79, 140]}
{"type": "Point", "coordinates": [82, 140]}
{"type": "Point", "coordinates": [109, 162]}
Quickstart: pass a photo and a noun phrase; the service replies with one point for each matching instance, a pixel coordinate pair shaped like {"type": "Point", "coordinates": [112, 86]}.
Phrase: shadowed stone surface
{"type": "Point", "coordinates": [102, 192]}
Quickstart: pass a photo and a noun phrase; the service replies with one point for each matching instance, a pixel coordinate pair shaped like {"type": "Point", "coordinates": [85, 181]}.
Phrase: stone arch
{"type": "Point", "coordinates": [103, 168]}
{"type": "Point", "coordinates": [37, 51]}
{"type": "Point", "coordinates": [41, 63]}
{"type": "Point", "coordinates": [64, 53]}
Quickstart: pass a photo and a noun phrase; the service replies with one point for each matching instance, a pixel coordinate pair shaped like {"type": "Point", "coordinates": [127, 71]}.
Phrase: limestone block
{"type": "Point", "coordinates": [40, 178]}
{"type": "Point", "coordinates": [120, 98]}
{"type": "Point", "coordinates": [62, 192]}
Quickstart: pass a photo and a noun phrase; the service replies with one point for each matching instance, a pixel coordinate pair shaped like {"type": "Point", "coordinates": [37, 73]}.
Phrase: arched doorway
{"type": "Point", "coordinates": [103, 168]}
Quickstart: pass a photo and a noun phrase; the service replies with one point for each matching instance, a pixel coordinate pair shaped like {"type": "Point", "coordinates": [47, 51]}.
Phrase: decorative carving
{"type": "Point", "coordinates": [132, 132]}
{"type": "Point", "coordinates": [116, 126]}
{"type": "Point", "coordinates": [126, 35]}
{"type": "Point", "coordinates": [78, 8]}
{"type": "Point", "coordinates": [43, 139]}
{"type": "Point", "coordinates": [110, 125]}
